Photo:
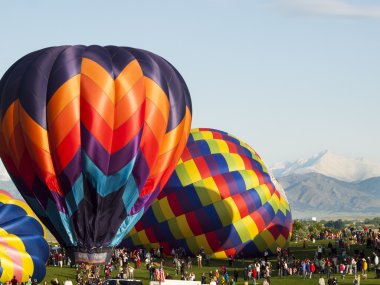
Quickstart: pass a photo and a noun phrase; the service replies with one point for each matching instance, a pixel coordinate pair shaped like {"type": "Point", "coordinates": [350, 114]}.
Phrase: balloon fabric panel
{"type": "Point", "coordinates": [23, 249]}
{"type": "Point", "coordinates": [90, 135]}
{"type": "Point", "coordinates": [221, 197]}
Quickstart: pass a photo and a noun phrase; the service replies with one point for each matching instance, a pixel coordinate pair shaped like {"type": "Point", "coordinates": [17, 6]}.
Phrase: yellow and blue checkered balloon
{"type": "Point", "coordinates": [221, 197]}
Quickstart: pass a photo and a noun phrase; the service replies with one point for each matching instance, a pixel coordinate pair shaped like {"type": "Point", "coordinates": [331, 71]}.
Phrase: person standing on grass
{"type": "Point", "coordinates": [236, 274]}
{"type": "Point", "coordinates": [321, 280]}
{"type": "Point", "coordinates": [14, 281]}
{"type": "Point", "coordinates": [341, 270]}
{"type": "Point", "coordinates": [365, 267]}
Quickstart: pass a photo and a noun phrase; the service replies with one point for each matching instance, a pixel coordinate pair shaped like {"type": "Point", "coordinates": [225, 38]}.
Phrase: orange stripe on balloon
{"type": "Point", "coordinates": [99, 101]}
{"type": "Point", "coordinates": [35, 133]}
{"type": "Point", "coordinates": [64, 123]}
{"type": "Point", "coordinates": [126, 132]}
{"type": "Point", "coordinates": [41, 158]}
{"type": "Point", "coordinates": [155, 120]}
{"type": "Point", "coordinates": [127, 79]}
{"type": "Point", "coordinates": [17, 145]}
{"type": "Point", "coordinates": [96, 125]}
{"type": "Point", "coordinates": [166, 162]}
{"type": "Point", "coordinates": [9, 120]}
{"type": "Point", "coordinates": [68, 147]}
{"type": "Point", "coordinates": [158, 97]}
{"type": "Point", "coordinates": [100, 77]}
{"type": "Point", "coordinates": [130, 103]}
{"type": "Point", "coordinates": [172, 138]}
{"type": "Point", "coordinates": [149, 146]}
{"type": "Point", "coordinates": [65, 94]}
{"type": "Point", "coordinates": [180, 147]}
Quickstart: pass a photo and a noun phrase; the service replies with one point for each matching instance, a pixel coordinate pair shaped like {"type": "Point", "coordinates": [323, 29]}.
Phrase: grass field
{"type": "Point", "coordinates": [143, 274]}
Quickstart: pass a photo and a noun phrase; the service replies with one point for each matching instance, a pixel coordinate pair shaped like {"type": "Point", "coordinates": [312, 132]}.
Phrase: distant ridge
{"type": "Point", "coordinates": [328, 185]}
{"type": "Point", "coordinates": [314, 194]}
{"type": "Point", "coordinates": [331, 165]}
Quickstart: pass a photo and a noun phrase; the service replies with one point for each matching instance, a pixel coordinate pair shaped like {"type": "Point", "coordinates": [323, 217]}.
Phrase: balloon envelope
{"type": "Point", "coordinates": [221, 197]}
{"type": "Point", "coordinates": [23, 248]}
{"type": "Point", "coordinates": [90, 135]}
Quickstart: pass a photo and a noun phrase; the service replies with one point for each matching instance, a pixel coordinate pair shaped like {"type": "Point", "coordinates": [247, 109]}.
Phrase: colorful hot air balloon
{"type": "Point", "coordinates": [23, 248]}
{"type": "Point", "coordinates": [89, 136]}
{"type": "Point", "coordinates": [221, 197]}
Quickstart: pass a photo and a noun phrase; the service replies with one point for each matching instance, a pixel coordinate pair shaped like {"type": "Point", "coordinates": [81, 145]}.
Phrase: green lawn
{"type": "Point", "coordinates": [143, 274]}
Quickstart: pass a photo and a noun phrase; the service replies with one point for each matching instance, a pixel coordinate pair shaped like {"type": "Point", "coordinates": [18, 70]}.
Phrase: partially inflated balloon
{"type": "Point", "coordinates": [221, 197]}
{"type": "Point", "coordinates": [90, 135]}
{"type": "Point", "coordinates": [23, 248]}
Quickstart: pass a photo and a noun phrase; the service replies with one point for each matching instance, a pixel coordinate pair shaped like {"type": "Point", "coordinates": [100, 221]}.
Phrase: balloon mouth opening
{"type": "Point", "coordinates": [97, 256]}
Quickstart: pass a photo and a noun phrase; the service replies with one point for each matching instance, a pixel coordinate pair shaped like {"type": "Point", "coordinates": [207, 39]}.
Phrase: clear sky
{"type": "Point", "coordinates": [289, 77]}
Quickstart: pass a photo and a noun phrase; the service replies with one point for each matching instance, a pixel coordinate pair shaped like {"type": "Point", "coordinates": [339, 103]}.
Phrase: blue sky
{"type": "Point", "coordinates": [289, 77]}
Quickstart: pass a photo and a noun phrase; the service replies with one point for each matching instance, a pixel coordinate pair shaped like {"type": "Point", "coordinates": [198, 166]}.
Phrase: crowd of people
{"type": "Point", "coordinates": [339, 258]}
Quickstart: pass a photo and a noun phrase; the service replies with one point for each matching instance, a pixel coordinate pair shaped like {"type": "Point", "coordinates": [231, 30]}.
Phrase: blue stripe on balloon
{"type": "Point", "coordinates": [61, 223]}
{"type": "Point", "coordinates": [104, 184]}
{"type": "Point", "coordinates": [54, 217]}
{"type": "Point", "coordinates": [239, 180]}
{"type": "Point", "coordinates": [162, 231]}
{"type": "Point", "coordinates": [228, 236]}
{"type": "Point", "coordinates": [255, 198]}
{"type": "Point", "coordinates": [212, 215]}
{"type": "Point", "coordinates": [75, 196]}
{"type": "Point", "coordinates": [130, 195]}
{"type": "Point", "coordinates": [203, 147]}
{"type": "Point", "coordinates": [22, 226]}
{"type": "Point", "coordinates": [10, 212]}
{"type": "Point", "coordinates": [149, 219]}
{"type": "Point", "coordinates": [221, 162]}
{"type": "Point", "coordinates": [126, 227]}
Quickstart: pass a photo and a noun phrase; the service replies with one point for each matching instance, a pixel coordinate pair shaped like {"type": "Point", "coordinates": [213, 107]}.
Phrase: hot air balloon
{"type": "Point", "coordinates": [89, 135]}
{"type": "Point", "coordinates": [23, 248]}
{"type": "Point", "coordinates": [221, 197]}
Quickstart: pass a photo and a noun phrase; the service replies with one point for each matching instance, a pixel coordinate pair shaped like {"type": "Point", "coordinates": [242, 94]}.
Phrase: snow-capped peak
{"type": "Point", "coordinates": [3, 173]}
{"type": "Point", "coordinates": [330, 164]}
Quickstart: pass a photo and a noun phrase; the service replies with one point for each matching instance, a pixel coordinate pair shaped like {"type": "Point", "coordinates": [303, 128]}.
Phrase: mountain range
{"type": "Point", "coordinates": [6, 182]}
{"type": "Point", "coordinates": [328, 185]}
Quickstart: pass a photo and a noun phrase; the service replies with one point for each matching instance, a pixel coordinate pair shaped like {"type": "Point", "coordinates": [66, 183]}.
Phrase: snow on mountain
{"type": "Point", "coordinates": [330, 164]}
{"type": "Point", "coordinates": [6, 182]}
{"type": "Point", "coordinates": [3, 173]}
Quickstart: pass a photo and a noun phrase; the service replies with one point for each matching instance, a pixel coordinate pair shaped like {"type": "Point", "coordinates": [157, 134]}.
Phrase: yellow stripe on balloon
{"type": "Point", "coordinates": [184, 226]}
{"type": "Point", "coordinates": [251, 179]}
{"type": "Point", "coordinates": [143, 237]}
{"type": "Point", "coordinates": [234, 210]}
{"type": "Point", "coordinates": [157, 210]}
{"type": "Point", "coordinates": [222, 146]}
{"type": "Point", "coordinates": [212, 189]}
{"type": "Point", "coordinates": [219, 255]}
{"type": "Point", "coordinates": [234, 161]}
{"type": "Point", "coordinates": [174, 228]}
{"type": "Point", "coordinates": [201, 240]}
{"type": "Point", "coordinates": [6, 264]}
{"type": "Point", "coordinates": [192, 170]}
{"type": "Point", "coordinates": [166, 210]}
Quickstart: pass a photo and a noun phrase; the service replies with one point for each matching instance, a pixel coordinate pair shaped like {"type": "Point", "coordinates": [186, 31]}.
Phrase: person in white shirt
{"type": "Point", "coordinates": [321, 280]}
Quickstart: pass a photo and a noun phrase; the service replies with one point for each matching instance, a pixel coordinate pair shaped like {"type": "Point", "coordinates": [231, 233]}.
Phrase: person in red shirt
{"type": "Point", "coordinates": [312, 268]}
